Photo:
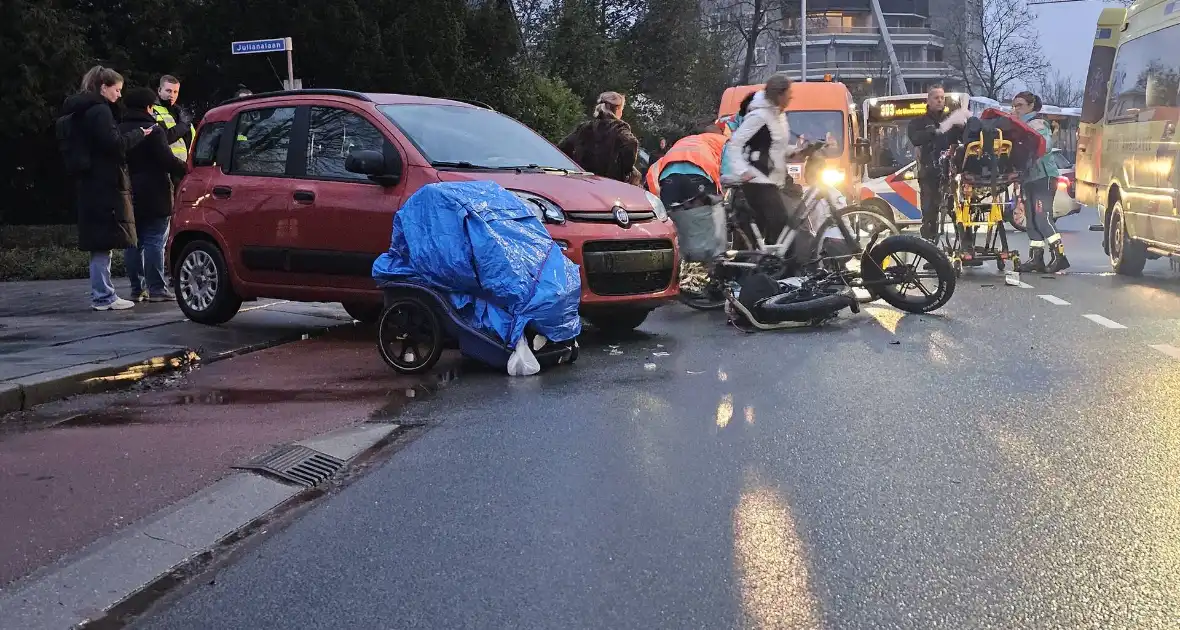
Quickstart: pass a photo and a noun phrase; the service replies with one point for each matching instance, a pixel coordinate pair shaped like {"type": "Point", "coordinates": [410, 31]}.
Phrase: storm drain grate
{"type": "Point", "coordinates": [296, 464]}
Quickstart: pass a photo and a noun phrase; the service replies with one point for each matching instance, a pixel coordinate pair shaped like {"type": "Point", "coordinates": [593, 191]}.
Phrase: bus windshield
{"type": "Point", "coordinates": [886, 121]}
{"type": "Point", "coordinates": [889, 147]}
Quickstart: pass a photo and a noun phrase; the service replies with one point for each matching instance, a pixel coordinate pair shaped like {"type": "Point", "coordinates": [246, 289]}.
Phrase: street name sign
{"type": "Point", "coordinates": [281, 44]}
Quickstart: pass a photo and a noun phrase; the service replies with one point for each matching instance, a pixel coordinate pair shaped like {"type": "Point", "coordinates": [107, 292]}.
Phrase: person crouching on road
{"type": "Point", "coordinates": [153, 168]}
{"type": "Point", "coordinates": [605, 145]}
{"type": "Point", "coordinates": [95, 153]}
{"type": "Point", "coordinates": [1037, 189]}
{"type": "Point", "coordinates": [690, 168]}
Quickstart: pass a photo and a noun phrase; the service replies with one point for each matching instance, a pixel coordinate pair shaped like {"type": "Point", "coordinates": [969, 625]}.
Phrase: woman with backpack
{"type": "Point", "coordinates": [95, 153]}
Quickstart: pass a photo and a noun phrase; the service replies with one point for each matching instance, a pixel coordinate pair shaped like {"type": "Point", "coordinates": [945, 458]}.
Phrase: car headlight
{"type": "Point", "coordinates": [832, 176]}
{"type": "Point", "coordinates": [657, 206]}
{"type": "Point", "coordinates": [546, 211]}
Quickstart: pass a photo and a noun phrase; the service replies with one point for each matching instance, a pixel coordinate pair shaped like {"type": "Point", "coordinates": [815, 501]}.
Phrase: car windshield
{"type": "Point", "coordinates": [815, 126]}
{"type": "Point", "coordinates": [474, 137]}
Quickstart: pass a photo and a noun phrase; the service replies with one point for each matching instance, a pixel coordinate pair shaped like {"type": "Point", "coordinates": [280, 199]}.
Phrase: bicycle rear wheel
{"type": "Point", "coordinates": [700, 289]}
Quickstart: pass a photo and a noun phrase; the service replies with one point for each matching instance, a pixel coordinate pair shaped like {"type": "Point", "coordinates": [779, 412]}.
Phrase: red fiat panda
{"type": "Point", "coordinates": [271, 209]}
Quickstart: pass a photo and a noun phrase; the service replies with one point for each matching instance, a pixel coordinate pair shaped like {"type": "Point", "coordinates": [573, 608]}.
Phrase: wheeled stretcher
{"type": "Point", "coordinates": [980, 180]}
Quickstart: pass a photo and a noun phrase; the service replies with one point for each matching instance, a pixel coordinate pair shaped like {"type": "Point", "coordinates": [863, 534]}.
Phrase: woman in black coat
{"type": "Point", "coordinates": [96, 153]}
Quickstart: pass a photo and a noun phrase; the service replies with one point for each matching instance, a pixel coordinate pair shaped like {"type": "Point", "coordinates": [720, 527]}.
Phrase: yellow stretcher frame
{"type": "Point", "coordinates": [969, 216]}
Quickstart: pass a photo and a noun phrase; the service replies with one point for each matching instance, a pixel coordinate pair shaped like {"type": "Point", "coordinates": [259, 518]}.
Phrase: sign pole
{"type": "Point", "coordinates": [290, 66]}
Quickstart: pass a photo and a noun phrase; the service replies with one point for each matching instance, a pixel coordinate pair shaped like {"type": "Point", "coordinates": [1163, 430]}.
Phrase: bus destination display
{"type": "Point", "coordinates": [888, 110]}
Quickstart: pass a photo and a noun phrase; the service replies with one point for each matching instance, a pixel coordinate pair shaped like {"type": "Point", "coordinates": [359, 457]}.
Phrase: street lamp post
{"type": "Point", "coordinates": [803, 38]}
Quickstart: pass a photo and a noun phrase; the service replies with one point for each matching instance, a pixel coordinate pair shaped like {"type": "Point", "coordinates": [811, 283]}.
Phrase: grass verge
{"type": "Point", "coordinates": [46, 252]}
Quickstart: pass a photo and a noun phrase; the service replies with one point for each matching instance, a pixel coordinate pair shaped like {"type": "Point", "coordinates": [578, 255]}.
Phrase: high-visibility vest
{"type": "Point", "coordinates": [703, 150]}
{"type": "Point", "coordinates": [164, 117]}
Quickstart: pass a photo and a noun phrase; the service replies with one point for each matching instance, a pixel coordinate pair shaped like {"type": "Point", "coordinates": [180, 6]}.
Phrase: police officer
{"type": "Point", "coordinates": [177, 123]}
{"type": "Point", "coordinates": [929, 135]}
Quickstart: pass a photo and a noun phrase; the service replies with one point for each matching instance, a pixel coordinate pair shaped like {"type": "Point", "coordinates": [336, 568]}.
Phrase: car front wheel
{"type": "Point", "coordinates": [203, 289]}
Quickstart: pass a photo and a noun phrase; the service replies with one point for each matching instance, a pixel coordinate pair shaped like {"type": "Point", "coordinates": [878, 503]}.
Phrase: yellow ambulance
{"type": "Point", "coordinates": [1127, 147]}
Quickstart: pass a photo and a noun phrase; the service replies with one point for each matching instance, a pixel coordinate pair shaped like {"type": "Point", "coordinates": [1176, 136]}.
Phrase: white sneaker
{"type": "Point", "coordinates": [118, 305]}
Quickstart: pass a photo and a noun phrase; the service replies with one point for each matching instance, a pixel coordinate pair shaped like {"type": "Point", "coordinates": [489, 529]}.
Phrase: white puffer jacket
{"type": "Point", "coordinates": [760, 147]}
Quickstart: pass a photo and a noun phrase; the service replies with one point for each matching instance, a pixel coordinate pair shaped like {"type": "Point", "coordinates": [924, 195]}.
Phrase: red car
{"type": "Point", "coordinates": [291, 195]}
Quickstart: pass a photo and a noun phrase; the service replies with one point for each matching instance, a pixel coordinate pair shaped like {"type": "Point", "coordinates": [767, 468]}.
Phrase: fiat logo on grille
{"type": "Point", "coordinates": [621, 216]}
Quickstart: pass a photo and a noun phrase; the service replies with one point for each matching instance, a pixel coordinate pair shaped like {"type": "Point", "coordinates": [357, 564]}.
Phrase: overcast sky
{"type": "Point", "coordinates": [1067, 34]}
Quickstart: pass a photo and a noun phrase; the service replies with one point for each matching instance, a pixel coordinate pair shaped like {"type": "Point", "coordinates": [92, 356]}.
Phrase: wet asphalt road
{"type": "Point", "coordinates": [1007, 463]}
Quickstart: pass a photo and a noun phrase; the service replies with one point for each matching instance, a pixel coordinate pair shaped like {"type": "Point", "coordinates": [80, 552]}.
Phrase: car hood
{"type": "Point", "coordinates": [572, 193]}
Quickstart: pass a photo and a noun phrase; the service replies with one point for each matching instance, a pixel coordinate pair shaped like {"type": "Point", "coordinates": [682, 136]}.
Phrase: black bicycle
{"type": "Point", "coordinates": [888, 268]}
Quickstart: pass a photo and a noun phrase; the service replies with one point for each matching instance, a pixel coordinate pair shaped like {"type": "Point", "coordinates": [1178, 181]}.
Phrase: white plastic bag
{"type": "Point", "coordinates": [523, 362]}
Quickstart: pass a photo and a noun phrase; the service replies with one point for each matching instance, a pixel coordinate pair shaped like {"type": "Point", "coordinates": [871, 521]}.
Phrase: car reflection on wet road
{"type": "Point", "coordinates": [1007, 463]}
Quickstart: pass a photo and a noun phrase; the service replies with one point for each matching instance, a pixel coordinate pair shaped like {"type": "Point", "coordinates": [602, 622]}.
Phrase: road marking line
{"type": "Point", "coordinates": [1102, 321]}
{"type": "Point", "coordinates": [1053, 299]}
{"type": "Point", "coordinates": [1022, 284]}
{"type": "Point", "coordinates": [1164, 348]}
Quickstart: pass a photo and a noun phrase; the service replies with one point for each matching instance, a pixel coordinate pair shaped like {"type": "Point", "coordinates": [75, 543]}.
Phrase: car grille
{"type": "Point", "coordinates": [628, 267]}
{"type": "Point", "coordinates": [608, 217]}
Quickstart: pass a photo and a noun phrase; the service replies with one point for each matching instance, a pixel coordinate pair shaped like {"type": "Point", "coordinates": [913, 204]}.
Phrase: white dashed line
{"type": "Point", "coordinates": [1164, 348]}
{"type": "Point", "coordinates": [1053, 299]}
{"type": "Point", "coordinates": [1024, 285]}
{"type": "Point", "coordinates": [1102, 321]}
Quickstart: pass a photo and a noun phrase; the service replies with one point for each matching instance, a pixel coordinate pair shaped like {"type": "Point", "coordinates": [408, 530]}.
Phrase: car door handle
{"type": "Point", "coordinates": [304, 195]}
{"type": "Point", "coordinates": [222, 192]}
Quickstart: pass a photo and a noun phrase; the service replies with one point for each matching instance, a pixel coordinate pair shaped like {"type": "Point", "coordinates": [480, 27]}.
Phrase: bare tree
{"type": "Point", "coordinates": [996, 46]}
{"type": "Point", "coordinates": [1062, 90]}
{"type": "Point", "coordinates": [747, 25]}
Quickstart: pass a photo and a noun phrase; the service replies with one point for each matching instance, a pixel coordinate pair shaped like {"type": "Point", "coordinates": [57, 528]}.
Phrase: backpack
{"type": "Point", "coordinates": [74, 151]}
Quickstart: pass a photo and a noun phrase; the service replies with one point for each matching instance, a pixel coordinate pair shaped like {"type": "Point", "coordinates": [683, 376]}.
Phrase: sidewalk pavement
{"type": "Point", "coordinates": [53, 346]}
{"type": "Point", "coordinates": [102, 465]}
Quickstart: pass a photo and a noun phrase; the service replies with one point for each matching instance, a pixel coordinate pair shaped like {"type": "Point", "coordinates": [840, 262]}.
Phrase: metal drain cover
{"type": "Point", "coordinates": [296, 464]}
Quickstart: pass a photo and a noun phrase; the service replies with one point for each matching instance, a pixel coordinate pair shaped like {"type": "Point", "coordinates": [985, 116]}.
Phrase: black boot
{"type": "Point", "coordinates": [1059, 262]}
{"type": "Point", "coordinates": [1035, 262]}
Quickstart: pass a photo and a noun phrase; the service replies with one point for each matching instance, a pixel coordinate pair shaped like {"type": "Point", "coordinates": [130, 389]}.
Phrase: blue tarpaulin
{"type": "Point", "coordinates": [484, 247]}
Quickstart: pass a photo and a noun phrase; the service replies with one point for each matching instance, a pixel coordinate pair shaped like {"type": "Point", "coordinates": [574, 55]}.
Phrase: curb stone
{"type": "Point", "coordinates": [28, 391]}
{"type": "Point", "coordinates": [89, 378]}
{"type": "Point", "coordinates": [83, 588]}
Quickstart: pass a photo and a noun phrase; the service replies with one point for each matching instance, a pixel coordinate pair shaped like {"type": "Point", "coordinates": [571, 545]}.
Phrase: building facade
{"type": "Point", "coordinates": [844, 41]}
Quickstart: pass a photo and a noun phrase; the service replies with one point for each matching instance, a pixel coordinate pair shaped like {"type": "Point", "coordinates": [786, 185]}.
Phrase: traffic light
{"type": "Point", "coordinates": [828, 78]}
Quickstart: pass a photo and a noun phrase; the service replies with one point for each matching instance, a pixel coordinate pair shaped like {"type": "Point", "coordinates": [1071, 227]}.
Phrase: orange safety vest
{"type": "Point", "coordinates": [702, 150]}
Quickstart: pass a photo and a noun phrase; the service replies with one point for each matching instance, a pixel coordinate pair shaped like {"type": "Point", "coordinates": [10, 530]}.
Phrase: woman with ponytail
{"type": "Point", "coordinates": [95, 153]}
{"type": "Point", "coordinates": [1038, 186]}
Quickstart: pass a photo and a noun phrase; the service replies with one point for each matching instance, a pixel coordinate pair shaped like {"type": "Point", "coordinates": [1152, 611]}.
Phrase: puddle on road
{"type": "Point", "coordinates": [395, 400]}
{"type": "Point", "coordinates": [104, 418]}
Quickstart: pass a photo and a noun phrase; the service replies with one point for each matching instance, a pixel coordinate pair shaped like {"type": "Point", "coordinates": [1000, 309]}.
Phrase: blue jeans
{"type": "Point", "coordinates": [146, 261]}
{"type": "Point", "coordinates": [102, 292]}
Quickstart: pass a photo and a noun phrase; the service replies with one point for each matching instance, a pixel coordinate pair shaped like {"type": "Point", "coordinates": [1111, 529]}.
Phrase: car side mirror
{"type": "Point", "coordinates": [374, 164]}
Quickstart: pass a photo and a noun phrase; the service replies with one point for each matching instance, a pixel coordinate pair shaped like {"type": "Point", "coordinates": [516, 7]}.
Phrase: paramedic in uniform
{"type": "Point", "coordinates": [929, 135]}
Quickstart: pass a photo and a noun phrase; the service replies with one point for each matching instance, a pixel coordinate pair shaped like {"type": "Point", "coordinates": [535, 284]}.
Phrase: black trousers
{"type": "Point", "coordinates": [773, 211]}
{"type": "Point", "coordinates": [931, 200]}
{"type": "Point", "coordinates": [679, 187]}
{"type": "Point", "coordinates": [1038, 211]}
